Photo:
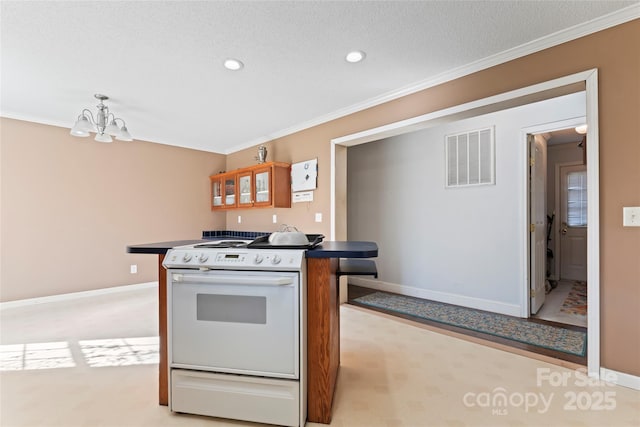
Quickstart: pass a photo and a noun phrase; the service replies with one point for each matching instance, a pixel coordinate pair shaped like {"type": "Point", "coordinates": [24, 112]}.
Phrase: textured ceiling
{"type": "Point", "coordinates": [161, 62]}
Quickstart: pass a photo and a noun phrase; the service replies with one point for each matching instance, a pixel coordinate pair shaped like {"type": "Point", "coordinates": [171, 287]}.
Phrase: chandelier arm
{"type": "Point", "coordinates": [116, 119]}
{"type": "Point", "coordinates": [91, 119]}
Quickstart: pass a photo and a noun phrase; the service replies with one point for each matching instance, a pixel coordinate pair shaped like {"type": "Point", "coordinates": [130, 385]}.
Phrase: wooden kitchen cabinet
{"type": "Point", "coordinates": [223, 191]}
{"type": "Point", "coordinates": [267, 185]}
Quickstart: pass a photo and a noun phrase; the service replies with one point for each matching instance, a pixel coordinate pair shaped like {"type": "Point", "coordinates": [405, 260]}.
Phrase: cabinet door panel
{"type": "Point", "coordinates": [263, 187]}
{"type": "Point", "coordinates": [230, 191]}
{"type": "Point", "coordinates": [245, 190]}
{"type": "Point", "coordinates": [216, 193]}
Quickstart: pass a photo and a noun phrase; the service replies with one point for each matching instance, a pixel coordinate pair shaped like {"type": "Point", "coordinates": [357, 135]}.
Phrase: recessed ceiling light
{"type": "Point", "coordinates": [582, 129]}
{"type": "Point", "coordinates": [233, 64]}
{"type": "Point", "coordinates": [355, 56]}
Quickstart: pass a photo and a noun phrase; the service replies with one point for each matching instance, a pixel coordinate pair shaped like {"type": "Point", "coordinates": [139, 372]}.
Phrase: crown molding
{"type": "Point", "coordinates": [604, 22]}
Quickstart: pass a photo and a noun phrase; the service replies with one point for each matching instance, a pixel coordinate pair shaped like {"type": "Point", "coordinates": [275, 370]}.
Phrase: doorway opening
{"type": "Point", "coordinates": [587, 81]}
{"type": "Point", "coordinates": [558, 211]}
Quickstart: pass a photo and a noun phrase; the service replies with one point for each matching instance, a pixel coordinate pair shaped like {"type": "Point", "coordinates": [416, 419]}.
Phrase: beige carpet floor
{"type": "Point", "coordinates": [93, 362]}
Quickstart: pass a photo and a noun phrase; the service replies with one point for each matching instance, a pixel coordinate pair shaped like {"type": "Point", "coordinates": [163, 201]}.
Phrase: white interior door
{"type": "Point", "coordinates": [538, 216]}
{"type": "Point", "coordinates": [573, 226]}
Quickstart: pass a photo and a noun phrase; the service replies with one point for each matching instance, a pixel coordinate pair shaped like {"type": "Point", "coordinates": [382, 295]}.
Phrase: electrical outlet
{"type": "Point", "coordinates": [275, 218]}
{"type": "Point", "coordinates": [134, 269]}
{"type": "Point", "coordinates": [631, 216]}
{"type": "Point", "coordinates": [318, 217]}
{"type": "Point", "coordinates": [239, 219]}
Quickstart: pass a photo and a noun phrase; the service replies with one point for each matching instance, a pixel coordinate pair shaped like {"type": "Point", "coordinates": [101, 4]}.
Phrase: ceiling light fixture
{"type": "Point", "coordinates": [104, 124]}
{"type": "Point", "coordinates": [355, 56]}
{"type": "Point", "coordinates": [582, 129]}
{"type": "Point", "coordinates": [233, 64]}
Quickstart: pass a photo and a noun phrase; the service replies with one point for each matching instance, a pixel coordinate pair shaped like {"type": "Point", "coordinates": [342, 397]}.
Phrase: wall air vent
{"type": "Point", "coordinates": [470, 158]}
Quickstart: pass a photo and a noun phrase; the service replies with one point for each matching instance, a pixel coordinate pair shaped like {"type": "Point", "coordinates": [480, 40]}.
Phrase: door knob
{"type": "Point", "coordinates": [564, 230]}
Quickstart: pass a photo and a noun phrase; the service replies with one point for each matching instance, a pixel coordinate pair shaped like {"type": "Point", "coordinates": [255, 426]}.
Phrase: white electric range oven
{"type": "Point", "coordinates": [236, 332]}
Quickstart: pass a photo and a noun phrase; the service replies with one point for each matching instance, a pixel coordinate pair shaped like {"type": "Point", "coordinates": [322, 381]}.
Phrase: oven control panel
{"type": "Point", "coordinates": [234, 259]}
{"type": "Point", "coordinates": [223, 258]}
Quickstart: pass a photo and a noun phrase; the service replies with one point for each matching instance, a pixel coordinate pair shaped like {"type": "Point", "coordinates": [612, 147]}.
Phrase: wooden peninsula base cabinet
{"type": "Point", "coordinates": [323, 337]}
{"type": "Point", "coordinates": [267, 185]}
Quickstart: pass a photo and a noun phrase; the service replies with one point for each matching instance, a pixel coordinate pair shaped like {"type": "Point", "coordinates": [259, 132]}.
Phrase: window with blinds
{"type": "Point", "coordinates": [470, 158]}
{"type": "Point", "coordinates": [577, 199]}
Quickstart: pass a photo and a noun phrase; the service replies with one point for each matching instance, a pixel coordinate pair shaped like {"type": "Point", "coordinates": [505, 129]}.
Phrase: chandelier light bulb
{"type": "Point", "coordinates": [124, 134]}
{"type": "Point", "coordinates": [82, 127]}
{"type": "Point", "coordinates": [112, 129]}
{"type": "Point", "coordinates": [103, 137]}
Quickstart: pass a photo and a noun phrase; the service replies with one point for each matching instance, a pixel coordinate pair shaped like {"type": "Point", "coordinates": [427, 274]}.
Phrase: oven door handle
{"type": "Point", "coordinates": [234, 280]}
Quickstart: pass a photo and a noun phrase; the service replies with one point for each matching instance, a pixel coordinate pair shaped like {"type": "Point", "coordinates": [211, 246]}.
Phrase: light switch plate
{"type": "Point", "coordinates": [319, 217]}
{"type": "Point", "coordinates": [275, 218]}
{"type": "Point", "coordinates": [239, 219]}
{"type": "Point", "coordinates": [631, 216]}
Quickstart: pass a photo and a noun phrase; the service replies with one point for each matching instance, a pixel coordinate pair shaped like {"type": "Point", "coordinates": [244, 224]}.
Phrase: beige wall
{"type": "Point", "coordinates": [70, 206]}
{"type": "Point", "coordinates": [291, 149]}
{"type": "Point", "coordinates": [615, 53]}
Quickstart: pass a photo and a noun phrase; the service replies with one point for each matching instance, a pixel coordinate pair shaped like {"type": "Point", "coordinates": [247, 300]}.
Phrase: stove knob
{"type": "Point", "coordinates": [275, 260]}
{"type": "Point", "coordinates": [203, 257]}
{"type": "Point", "coordinates": [187, 257]}
{"type": "Point", "coordinates": [258, 259]}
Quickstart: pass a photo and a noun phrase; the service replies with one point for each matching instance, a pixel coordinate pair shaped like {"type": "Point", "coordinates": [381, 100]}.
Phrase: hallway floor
{"type": "Point", "coordinates": [552, 308]}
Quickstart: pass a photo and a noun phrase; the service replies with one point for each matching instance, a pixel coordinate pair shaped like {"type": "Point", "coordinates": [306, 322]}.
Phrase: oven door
{"type": "Point", "coordinates": [244, 322]}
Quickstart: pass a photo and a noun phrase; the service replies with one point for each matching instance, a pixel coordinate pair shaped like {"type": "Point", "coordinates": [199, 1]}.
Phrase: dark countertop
{"type": "Point", "coordinates": [344, 249]}
{"type": "Point", "coordinates": [324, 250]}
{"type": "Point", "coordinates": [161, 247]}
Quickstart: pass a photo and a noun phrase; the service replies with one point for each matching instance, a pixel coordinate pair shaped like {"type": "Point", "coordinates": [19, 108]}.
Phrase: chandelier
{"type": "Point", "coordinates": [105, 124]}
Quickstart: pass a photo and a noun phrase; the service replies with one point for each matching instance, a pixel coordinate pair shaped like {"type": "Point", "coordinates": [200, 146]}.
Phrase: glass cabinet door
{"type": "Point", "coordinates": [216, 192]}
{"type": "Point", "coordinates": [263, 186]}
{"type": "Point", "coordinates": [244, 186]}
{"type": "Point", "coordinates": [230, 191]}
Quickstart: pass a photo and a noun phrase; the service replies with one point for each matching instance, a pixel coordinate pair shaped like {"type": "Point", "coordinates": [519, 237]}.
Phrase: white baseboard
{"type": "Point", "coordinates": [461, 300]}
{"type": "Point", "coordinates": [620, 378]}
{"type": "Point", "coordinates": [75, 295]}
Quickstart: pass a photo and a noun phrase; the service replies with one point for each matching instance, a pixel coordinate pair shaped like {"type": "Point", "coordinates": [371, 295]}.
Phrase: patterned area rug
{"type": "Point", "coordinates": [513, 328]}
{"type": "Point", "coordinates": [576, 301]}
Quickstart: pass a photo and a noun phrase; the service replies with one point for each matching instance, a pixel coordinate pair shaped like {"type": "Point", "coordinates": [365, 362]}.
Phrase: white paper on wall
{"type": "Point", "coordinates": [304, 175]}
{"type": "Point", "coordinates": [302, 196]}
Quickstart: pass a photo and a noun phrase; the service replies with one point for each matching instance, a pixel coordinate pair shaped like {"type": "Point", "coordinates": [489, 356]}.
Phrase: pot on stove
{"type": "Point", "coordinates": [288, 236]}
